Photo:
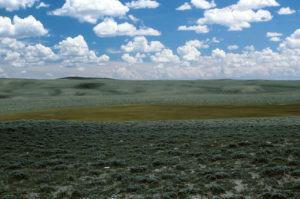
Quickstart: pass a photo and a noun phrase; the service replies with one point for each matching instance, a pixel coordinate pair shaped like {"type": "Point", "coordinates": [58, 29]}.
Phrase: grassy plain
{"type": "Point", "coordinates": [181, 156]}
{"type": "Point", "coordinates": [157, 112]}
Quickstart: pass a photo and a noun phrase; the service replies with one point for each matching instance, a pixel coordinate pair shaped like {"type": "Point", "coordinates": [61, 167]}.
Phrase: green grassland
{"type": "Point", "coordinates": [26, 95]}
{"type": "Point", "coordinates": [114, 139]}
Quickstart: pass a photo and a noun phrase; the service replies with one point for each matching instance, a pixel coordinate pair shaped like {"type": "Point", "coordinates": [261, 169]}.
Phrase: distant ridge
{"type": "Point", "coordinates": [83, 78]}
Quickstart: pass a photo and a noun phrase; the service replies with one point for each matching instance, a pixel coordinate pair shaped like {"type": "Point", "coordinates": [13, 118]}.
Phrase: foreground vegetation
{"type": "Point", "coordinates": [157, 112]}
{"type": "Point", "coordinates": [232, 159]}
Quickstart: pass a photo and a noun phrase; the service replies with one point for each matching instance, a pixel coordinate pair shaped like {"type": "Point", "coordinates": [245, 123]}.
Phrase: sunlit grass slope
{"type": "Point", "coordinates": [30, 95]}
{"type": "Point", "coordinates": [157, 112]}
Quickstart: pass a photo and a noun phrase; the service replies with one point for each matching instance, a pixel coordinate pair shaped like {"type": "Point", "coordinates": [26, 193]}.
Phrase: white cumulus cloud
{"type": "Point", "coordinates": [236, 17]}
{"type": "Point", "coordinates": [91, 10]}
{"type": "Point", "coordinates": [218, 53]}
{"type": "Point", "coordinates": [185, 6]}
{"type": "Point", "coordinates": [141, 44]}
{"type": "Point", "coordinates": [110, 28]}
{"type": "Point", "coordinates": [138, 4]}
{"type": "Point", "coordinates": [138, 58]}
{"type": "Point", "coordinates": [21, 28]}
{"type": "Point", "coordinates": [165, 56]}
{"type": "Point", "coordinates": [232, 47]}
{"type": "Point", "coordinates": [12, 5]}
{"type": "Point", "coordinates": [292, 42]}
{"type": "Point", "coordinates": [190, 52]}
{"type": "Point", "coordinates": [75, 50]}
{"type": "Point", "coordinates": [256, 4]}
{"type": "Point", "coordinates": [17, 53]}
{"type": "Point", "coordinates": [198, 28]}
{"type": "Point", "coordinates": [274, 36]}
{"type": "Point", "coordinates": [203, 4]}
{"type": "Point", "coordinates": [286, 11]}
{"type": "Point", "coordinates": [42, 5]}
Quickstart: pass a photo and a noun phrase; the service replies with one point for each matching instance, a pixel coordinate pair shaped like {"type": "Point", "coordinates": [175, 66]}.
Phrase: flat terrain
{"type": "Point", "coordinates": [27, 95]}
{"type": "Point", "coordinates": [157, 112]}
{"type": "Point", "coordinates": [68, 139]}
{"type": "Point", "coordinates": [242, 158]}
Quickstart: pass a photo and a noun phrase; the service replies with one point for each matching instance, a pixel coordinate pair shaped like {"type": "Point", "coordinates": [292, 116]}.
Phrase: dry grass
{"type": "Point", "coordinates": [157, 112]}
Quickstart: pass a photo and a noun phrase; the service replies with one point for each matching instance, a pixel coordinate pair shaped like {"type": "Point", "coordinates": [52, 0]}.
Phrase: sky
{"type": "Point", "coordinates": [150, 39]}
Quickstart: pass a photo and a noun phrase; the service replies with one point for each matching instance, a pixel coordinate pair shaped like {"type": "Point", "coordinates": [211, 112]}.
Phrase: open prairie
{"type": "Point", "coordinates": [212, 139]}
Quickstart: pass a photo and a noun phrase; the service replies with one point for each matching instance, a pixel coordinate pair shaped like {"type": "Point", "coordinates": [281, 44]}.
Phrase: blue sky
{"type": "Point", "coordinates": [150, 39]}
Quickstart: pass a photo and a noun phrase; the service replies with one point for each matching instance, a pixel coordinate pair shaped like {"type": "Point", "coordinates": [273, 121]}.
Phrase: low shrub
{"type": "Point", "coordinates": [216, 189]}
{"type": "Point", "coordinates": [221, 175]}
{"type": "Point", "coordinates": [19, 175]}
{"type": "Point", "coordinates": [169, 195]}
{"type": "Point", "coordinates": [76, 194]}
{"type": "Point", "coordinates": [217, 157]}
{"type": "Point", "coordinates": [14, 166]}
{"type": "Point", "coordinates": [138, 169]}
{"type": "Point", "coordinates": [163, 162]}
{"type": "Point", "coordinates": [9, 196]}
{"type": "Point", "coordinates": [296, 185]}
{"type": "Point", "coordinates": [263, 160]}
{"type": "Point", "coordinates": [60, 167]}
{"type": "Point", "coordinates": [1, 189]}
{"type": "Point", "coordinates": [296, 173]}
{"type": "Point", "coordinates": [130, 189]}
{"type": "Point", "coordinates": [46, 188]}
{"type": "Point", "coordinates": [294, 163]}
{"type": "Point", "coordinates": [94, 172]}
{"type": "Point", "coordinates": [275, 195]}
{"type": "Point", "coordinates": [232, 145]}
{"type": "Point", "coordinates": [236, 197]}
{"type": "Point", "coordinates": [44, 179]}
{"type": "Point", "coordinates": [187, 191]}
{"type": "Point", "coordinates": [116, 163]}
{"type": "Point", "coordinates": [239, 155]}
{"type": "Point", "coordinates": [175, 152]}
{"type": "Point", "coordinates": [274, 171]}
{"type": "Point", "coordinates": [180, 167]}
